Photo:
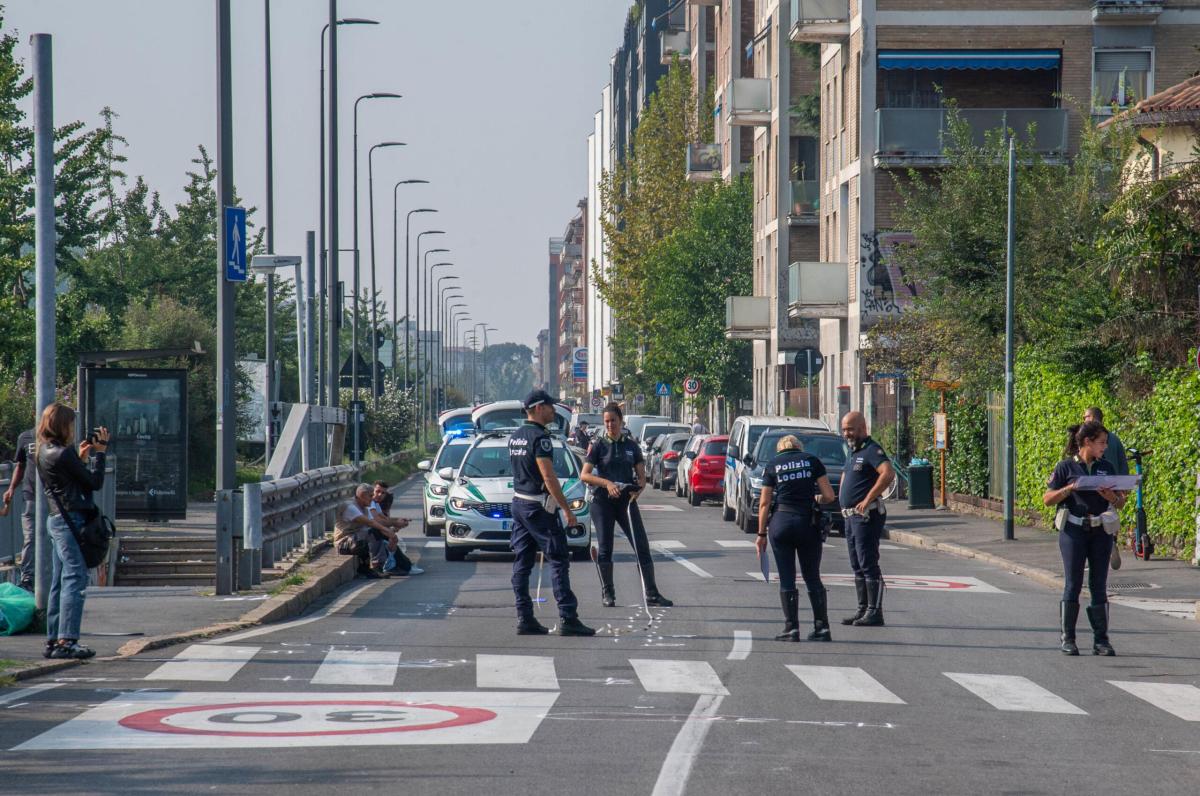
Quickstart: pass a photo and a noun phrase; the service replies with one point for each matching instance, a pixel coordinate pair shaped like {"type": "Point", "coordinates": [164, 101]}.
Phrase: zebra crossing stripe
{"type": "Point", "coordinates": [205, 663]}
{"type": "Point", "coordinates": [357, 667]}
{"type": "Point", "coordinates": [844, 684]}
{"type": "Point", "coordinates": [1180, 700]}
{"type": "Point", "coordinates": [678, 677]}
{"type": "Point", "coordinates": [734, 543]}
{"type": "Point", "coordinates": [1013, 692]}
{"type": "Point", "coordinates": [515, 671]}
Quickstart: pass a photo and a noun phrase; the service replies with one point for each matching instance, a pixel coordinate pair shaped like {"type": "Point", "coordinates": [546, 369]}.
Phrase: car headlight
{"type": "Point", "coordinates": [576, 504]}
{"type": "Point", "coordinates": [438, 489]}
{"type": "Point", "coordinates": [459, 504]}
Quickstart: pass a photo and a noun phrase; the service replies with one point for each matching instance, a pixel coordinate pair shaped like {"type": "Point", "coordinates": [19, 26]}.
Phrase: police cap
{"type": "Point", "coordinates": [537, 398]}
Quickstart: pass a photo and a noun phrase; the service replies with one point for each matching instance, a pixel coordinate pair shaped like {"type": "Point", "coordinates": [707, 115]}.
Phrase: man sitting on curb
{"type": "Point", "coordinates": [381, 502]}
{"type": "Point", "coordinates": [357, 533]}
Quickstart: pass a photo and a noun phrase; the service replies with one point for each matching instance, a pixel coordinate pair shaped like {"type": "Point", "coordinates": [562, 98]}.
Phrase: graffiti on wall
{"type": "Point", "coordinates": [883, 288]}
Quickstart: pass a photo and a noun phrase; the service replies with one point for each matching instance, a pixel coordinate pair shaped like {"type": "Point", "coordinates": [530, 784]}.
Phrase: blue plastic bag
{"type": "Point", "coordinates": [16, 609]}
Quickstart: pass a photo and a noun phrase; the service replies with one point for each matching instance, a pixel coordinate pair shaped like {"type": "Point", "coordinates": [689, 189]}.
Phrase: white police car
{"type": "Point", "coordinates": [479, 503]}
{"type": "Point", "coordinates": [433, 495]}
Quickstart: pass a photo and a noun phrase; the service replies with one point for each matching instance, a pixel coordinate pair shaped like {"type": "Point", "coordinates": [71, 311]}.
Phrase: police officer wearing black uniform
{"type": "Point", "coordinates": [789, 514]}
{"type": "Point", "coordinates": [536, 525]}
{"type": "Point", "coordinates": [616, 469]}
{"type": "Point", "coordinates": [868, 473]}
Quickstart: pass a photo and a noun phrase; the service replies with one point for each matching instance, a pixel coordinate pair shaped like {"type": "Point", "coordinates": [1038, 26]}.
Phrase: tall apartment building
{"type": "Point", "coordinates": [601, 370]}
{"type": "Point", "coordinates": [887, 68]}
{"type": "Point", "coordinates": [554, 274]}
{"type": "Point", "coordinates": [572, 306]}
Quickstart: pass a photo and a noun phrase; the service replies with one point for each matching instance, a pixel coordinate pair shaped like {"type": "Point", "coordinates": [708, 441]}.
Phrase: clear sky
{"type": "Point", "coordinates": [498, 102]}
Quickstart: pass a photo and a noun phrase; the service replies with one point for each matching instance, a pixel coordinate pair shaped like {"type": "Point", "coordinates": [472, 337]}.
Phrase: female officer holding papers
{"type": "Point", "coordinates": [1086, 522]}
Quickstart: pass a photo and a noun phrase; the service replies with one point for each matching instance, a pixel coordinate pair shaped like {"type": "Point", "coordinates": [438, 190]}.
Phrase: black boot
{"type": "Point", "coordinates": [652, 596]}
{"type": "Point", "coordinates": [790, 600]}
{"type": "Point", "coordinates": [1098, 616]}
{"type": "Point", "coordinates": [608, 594]}
{"type": "Point", "coordinates": [529, 626]}
{"type": "Point", "coordinates": [820, 611]}
{"type": "Point", "coordinates": [874, 615]}
{"type": "Point", "coordinates": [860, 586]}
{"type": "Point", "coordinates": [573, 627]}
{"type": "Point", "coordinates": [1067, 614]}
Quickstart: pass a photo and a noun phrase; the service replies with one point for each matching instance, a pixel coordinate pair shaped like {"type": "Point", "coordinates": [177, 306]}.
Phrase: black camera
{"type": "Point", "coordinates": [94, 436]}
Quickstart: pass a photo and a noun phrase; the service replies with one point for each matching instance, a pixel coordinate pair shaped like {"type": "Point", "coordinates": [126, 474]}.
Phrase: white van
{"type": "Point", "coordinates": [743, 436]}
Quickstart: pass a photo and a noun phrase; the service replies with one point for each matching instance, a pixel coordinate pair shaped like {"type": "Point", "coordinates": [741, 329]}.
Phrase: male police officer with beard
{"type": "Point", "coordinates": [868, 473]}
{"type": "Point", "coordinates": [536, 526]}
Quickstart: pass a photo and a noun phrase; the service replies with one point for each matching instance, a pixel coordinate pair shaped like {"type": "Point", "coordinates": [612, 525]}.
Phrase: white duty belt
{"type": "Point", "coordinates": [875, 505]}
{"type": "Point", "coordinates": [1089, 521]}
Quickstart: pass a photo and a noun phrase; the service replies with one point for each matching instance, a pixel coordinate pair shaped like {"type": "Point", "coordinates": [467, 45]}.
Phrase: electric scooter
{"type": "Point", "coordinates": [1143, 548]}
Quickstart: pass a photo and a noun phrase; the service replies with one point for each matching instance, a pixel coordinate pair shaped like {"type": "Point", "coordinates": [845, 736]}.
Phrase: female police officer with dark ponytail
{"type": "Point", "coordinates": [615, 467]}
{"type": "Point", "coordinates": [792, 483]}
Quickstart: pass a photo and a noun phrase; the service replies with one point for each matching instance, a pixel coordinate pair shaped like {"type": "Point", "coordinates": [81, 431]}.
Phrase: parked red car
{"type": "Point", "coordinates": [706, 475]}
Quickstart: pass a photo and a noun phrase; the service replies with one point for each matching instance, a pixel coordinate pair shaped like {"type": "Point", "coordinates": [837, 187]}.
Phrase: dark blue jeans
{"type": "Point", "coordinates": [64, 605]}
{"type": "Point", "coordinates": [1079, 546]}
{"type": "Point", "coordinates": [862, 541]}
{"type": "Point", "coordinates": [535, 529]}
{"type": "Point", "coordinates": [793, 536]}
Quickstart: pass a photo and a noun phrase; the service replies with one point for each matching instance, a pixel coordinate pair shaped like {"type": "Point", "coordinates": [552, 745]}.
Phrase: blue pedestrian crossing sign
{"type": "Point", "coordinates": [662, 388]}
{"type": "Point", "coordinates": [234, 249]}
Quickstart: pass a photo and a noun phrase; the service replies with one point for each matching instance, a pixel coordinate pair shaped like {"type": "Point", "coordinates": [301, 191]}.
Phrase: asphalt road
{"type": "Point", "coordinates": [421, 685]}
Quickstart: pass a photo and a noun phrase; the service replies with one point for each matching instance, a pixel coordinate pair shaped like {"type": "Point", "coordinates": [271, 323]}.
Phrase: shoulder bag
{"type": "Point", "coordinates": [93, 538]}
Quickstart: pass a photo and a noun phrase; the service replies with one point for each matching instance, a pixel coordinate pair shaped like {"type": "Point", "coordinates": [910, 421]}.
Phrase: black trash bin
{"type": "Point", "coordinates": [920, 486]}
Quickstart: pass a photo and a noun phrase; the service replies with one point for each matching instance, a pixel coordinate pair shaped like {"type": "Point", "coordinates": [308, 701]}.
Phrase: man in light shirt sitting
{"type": "Point", "coordinates": [363, 530]}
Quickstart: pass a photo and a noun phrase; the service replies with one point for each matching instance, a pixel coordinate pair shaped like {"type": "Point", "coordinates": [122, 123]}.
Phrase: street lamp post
{"type": "Point", "coordinates": [439, 358]}
{"type": "Point", "coordinates": [417, 302]}
{"type": "Point", "coordinates": [374, 348]}
{"type": "Point", "coordinates": [446, 367]}
{"type": "Point", "coordinates": [396, 275]}
{"type": "Point", "coordinates": [428, 391]}
{"type": "Point", "coordinates": [458, 313]}
{"type": "Point", "coordinates": [324, 250]}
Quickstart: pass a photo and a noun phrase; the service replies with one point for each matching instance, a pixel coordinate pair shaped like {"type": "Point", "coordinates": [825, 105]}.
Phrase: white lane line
{"type": "Point", "coordinates": [678, 677]}
{"type": "Point", "coordinates": [844, 684]}
{"type": "Point", "coordinates": [677, 767]}
{"type": "Point", "coordinates": [515, 671]}
{"type": "Point", "coordinates": [1013, 692]}
{"type": "Point", "coordinates": [1177, 699]}
{"type": "Point", "coordinates": [734, 542]}
{"type": "Point", "coordinates": [205, 663]}
{"type": "Point", "coordinates": [435, 544]}
{"type": "Point", "coordinates": [657, 507]}
{"type": "Point", "coordinates": [683, 562]}
{"type": "Point", "coordinates": [357, 667]}
{"type": "Point", "coordinates": [262, 631]}
{"type": "Point", "coordinates": [891, 547]}
{"type": "Point", "coordinates": [742, 640]}
{"type": "Point", "coordinates": [670, 544]}
{"type": "Point", "coordinates": [25, 693]}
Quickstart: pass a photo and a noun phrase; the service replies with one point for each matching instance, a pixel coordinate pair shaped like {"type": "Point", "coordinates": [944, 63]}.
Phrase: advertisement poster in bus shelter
{"type": "Point", "coordinates": [145, 411]}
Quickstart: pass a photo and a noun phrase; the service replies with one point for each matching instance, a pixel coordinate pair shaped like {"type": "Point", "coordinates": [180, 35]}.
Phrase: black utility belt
{"type": "Point", "coordinates": [796, 509]}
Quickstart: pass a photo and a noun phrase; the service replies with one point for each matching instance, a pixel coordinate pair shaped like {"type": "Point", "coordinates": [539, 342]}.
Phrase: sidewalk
{"type": "Point", "coordinates": [1168, 586]}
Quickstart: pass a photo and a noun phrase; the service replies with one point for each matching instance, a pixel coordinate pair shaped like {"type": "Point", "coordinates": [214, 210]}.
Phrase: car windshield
{"type": "Point", "coordinates": [679, 444]}
{"type": "Point", "coordinates": [829, 449]}
{"type": "Point", "coordinates": [493, 462]}
{"type": "Point", "coordinates": [716, 448]}
{"type": "Point", "coordinates": [451, 456]}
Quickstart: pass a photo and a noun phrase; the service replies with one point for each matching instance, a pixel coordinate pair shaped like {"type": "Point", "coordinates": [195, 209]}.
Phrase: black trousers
{"type": "Point", "coordinates": [862, 542]}
{"type": "Point", "coordinates": [607, 513]}
{"type": "Point", "coordinates": [535, 529]}
{"type": "Point", "coordinates": [1079, 546]}
{"type": "Point", "coordinates": [793, 537]}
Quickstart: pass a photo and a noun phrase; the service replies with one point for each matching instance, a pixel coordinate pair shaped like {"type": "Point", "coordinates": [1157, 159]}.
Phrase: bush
{"type": "Point", "coordinates": [389, 428]}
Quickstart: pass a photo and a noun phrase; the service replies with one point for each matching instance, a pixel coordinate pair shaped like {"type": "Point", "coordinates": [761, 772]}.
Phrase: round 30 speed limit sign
{"type": "Point", "coordinates": [691, 385]}
{"type": "Point", "coordinates": [223, 720]}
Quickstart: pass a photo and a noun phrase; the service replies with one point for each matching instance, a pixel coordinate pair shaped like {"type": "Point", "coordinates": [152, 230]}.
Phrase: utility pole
{"type": "Point", "coordinates": [1010, 469]}
{"type": "Point", "coordinates": [311, 396]}
{"type": "Point", "coordinates": [45, 254]}
{"type": "Point", "coordinates": [226, 414]}
{"type": "Point", "coordinates": [269, 382]}
{"type": "Point", "coordinates": [332, 287]}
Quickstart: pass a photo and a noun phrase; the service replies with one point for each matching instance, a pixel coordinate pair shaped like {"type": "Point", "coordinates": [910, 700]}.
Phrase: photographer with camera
{"type": "Point", "coordinates": [69, 477]}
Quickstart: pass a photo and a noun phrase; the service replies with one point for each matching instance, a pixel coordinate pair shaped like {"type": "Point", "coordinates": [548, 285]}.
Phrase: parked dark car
{"type": "Point", "coordinates": [663, 462]}
{"type": "Point", "coordinates": [830, 448]}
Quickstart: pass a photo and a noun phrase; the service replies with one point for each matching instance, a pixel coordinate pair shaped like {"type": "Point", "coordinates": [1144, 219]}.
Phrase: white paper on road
{"type": "Point", "coordinates": [1012, 692]}
{"type": "Point", "coordinates": [1121, 483]}
{"type": "Point", "coordinates": [358, 668]}
{"type": "Point", "coordinates": [205, 663]}
{"type": "Point", "coordinates": [515, 671]}
{"type": "Point", "coordinates": [735, 543]}
{"type": "Point", "coordinates": [844, 684]}
{"type": "Point", "coordinates": [958, 584]}
{"type": "Point", "coordinates": [1179, 700]}
{"type": "Point", "coordinates": [678, 677]}
{"type": "Point", "coordinates": [225, 720]}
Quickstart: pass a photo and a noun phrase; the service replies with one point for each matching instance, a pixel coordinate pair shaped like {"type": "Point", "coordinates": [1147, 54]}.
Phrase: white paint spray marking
{"type": "Point", "coordinates": [742, 640]}
{"type": "Point", "coordinates": [262, 631]}
{"type": "Point", "coordinates": [962, 584]}
{"type": "Point", "coordinates": [1179, 700]}
{"type": "Point", "coordinates": [273, 720]}
{"type": "Point", "coordinates": [677, 767]}
{"type": "Point", "coordinates": [844, 684]}
{"type": "Point", "coordinates": [435, 544]}
{"type": "Point", "coordinates": [683, 562]}
{"type": "Point", "coordinates": [205, 663]}
{"type": "Point", "coordinates": [678, 677]}
{"type": "Point", "coordinates": [357, 667]}
{"type": "Point", "coordinates": [735, 543]}
{"type": "Point", "coordinates": [25, 693]}
{"type": "Point", "coordinates": [515, 671]}
{"type": "Point", "coordinates": [1012, 692]}
{"type": "Point", "coordinates": [657, 507]}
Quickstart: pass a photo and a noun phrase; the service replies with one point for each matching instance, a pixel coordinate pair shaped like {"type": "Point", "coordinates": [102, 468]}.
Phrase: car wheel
{"type": "Point", "coordinates": [751, 524]}
{"type": "Point", "coordinates": [693, 499]}
{"type": "Point", "coordinates": [726, 512]}
{"type": "Point", "coordinates": [456, 553]}
{"type": "Point", "coordinates": [739, 516]}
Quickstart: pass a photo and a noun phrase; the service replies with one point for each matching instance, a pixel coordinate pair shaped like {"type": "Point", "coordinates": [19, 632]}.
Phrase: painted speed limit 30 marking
{"type": "Point", "coordinates": [203, 720]}
{"type": "Point", "coordinates": [953, 585]}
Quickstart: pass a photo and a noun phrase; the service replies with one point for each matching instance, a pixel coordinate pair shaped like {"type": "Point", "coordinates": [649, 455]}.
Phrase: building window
{"type": "Point", "coordinates": [911, 88]}
{"type": "Point", "coordinates": [1121, 77]}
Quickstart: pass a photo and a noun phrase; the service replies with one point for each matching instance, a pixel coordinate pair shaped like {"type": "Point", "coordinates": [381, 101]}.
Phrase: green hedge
{"type": "Point", "coordinates": [966, 459]}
